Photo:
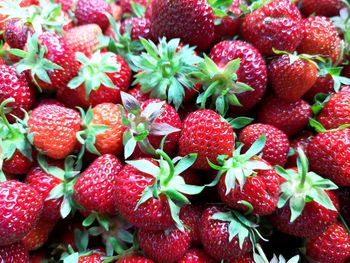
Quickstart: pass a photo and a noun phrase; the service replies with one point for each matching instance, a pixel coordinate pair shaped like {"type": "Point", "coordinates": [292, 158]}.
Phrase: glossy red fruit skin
{"type": "Point", "coordinates": [16, 33]}
{"type": "Point", "coordinates": [329, 156]}
{"type": "Point", "coordinates": [215, 237]}
{"type": "Point", "coordinates": [140, 27]}
{"type": "Point", "coordinates": [94, 258]}
{"type": "Point", "coordinates": [289, 117]}
{"type": "Point", "coordinates": [38, 235]}
{"type": "Point", "coordinates": [18, 164]}
{"type": "Point", "coordinates": [196, 255]}
{"type": "Point", "coordinates": [16, 86]}
{"type": "Point", "coordinates": [67, 4]}
{"type": "Point", "coordinates": [134, 259]}
{"type": "Point", "coordinates": [121, 80]}
{"type": "Point", "coordinates": [275, 25]}
{"type": "Point", "coordinates": [43, 183]}
{"type": "Point", "coordinates": [252, 70]}
{"type": "Point", "coordinates": [94, 190]}
{"type": "Point", "coordinates": [323, 84]}
{"type": "Point", "coordinates": [137, 94]}
{"type": "Point", "coordinates": [152, 215]}
{"type": "Point", "coordinates": [247, 258]}
{"type": "Point", "coordinates": [336, 111]}
{"type": "Point", "coordinates": [313, 220]}
{"type": "Point", "coordinates": [190, 20]}
{"type": "Point", "coordinates": [164, 246]}
{"type": "Point", "coordinates": [69, 97]}
{"type": "Point", "coordinates": [126, 4]}
{"type": "Point", "coordinates": [14, 253]}
{"type": "Point", "coordinates": [92, 12]}
{"type": "Point", "coordinates": [20, 207]}
{"type": "Point", "coordinates": [190, 216]}
{"type": "Point", "coordinates": [302, 141]}
{"type": "Point", "coordinates": [319, 36]}
{"type": "Point", "coordinates": [260, 190]}
{"type": "Point", "coordinates": [205, 133]}
{"type": "Point", "coordinates": [54, 128]}
{"type": "Point", "coordinates": [327, 8]}
{"type": "Point", "coordinates": [332, 246]}
{"type": "Point", "coordinates": [276, 146]}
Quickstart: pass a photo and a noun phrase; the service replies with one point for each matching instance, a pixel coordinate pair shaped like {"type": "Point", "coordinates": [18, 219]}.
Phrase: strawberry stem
{"type": "Point", "coordinates": [171, 172]}
{"type": "Point", "coordinates": [2, 113]}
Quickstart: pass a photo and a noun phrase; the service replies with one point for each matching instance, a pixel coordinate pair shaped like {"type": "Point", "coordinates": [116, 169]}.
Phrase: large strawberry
{"type": "Point", "coordinates": [54, 129]}
{"type": "Point", "coordinates": [20, 209]}
{"type": "Point", "coordinates": [206, 134]}
{"type": "Point", "coordinates": [327, 8]}
{"type": "Point", "coordinates": [276, 24]}
{"type": "Point", "coordinates": [101, 78]}
{"type": "Point", "coordinates": [328, 155]}
{"type": "Point", "coordinates": [15, 252]}
{"type": "Point", "coordinates": [332, 246]}
{"type": "Point", "coordinates": [306, 206]}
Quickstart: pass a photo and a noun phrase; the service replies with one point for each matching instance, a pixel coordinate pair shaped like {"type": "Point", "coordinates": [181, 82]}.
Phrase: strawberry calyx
{"type": "Point", "coordinates": [327, 68]}
{"type": "Point", "coordinates": [220, 9]}
{"type": "Point", "coordinates": [219, 83]}
{"type": "Point", "coordinates": [11, 9]}
{"type": "Point", "coordinates": [164, 70]}
{"type": "Point", "coordinates": [140, 124]}
{"type": "Point", "coordinates": [34, 60]}
{"type": "Point", "coordinates": [302, 186]}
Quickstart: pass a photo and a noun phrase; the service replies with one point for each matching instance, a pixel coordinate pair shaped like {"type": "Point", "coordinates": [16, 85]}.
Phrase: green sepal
{"type": "Point", "coordinates": [316, 125]}
{"type": "Point", "coordinates": [81, 239]}
{"type": "Point", "coordinates": [138, 9]}
{"type": "Point", "coordinates": [239, 122]}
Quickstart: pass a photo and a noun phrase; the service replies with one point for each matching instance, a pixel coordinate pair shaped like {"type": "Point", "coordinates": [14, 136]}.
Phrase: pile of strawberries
{"type": "Point", "coordinates": [190, 131]}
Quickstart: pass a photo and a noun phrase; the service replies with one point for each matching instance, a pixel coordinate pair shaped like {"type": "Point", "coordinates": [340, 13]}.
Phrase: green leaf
{"type": "Point", "coordinates": [321, 197]}
{"type": "Point", "coordinates": [189, 189]}
{"type": "Point", "coordinates": [175, 214]}
{"type": "Point", "coordinates": [65, 208]}
{"type": "Point", "coordinates": [73, 258]}
{"type": "Point", "coordinates": [240, 122]}
{"type": "Point", "coordinates": [297, 205]}
{"type": "Point", "coordinates": [56, 192]}
{"type": "Point", "coordinates": [146, 194]}
{"type": "Point", "coordinates": [89, 220]}
{"type": "Point", "coordinates": [316, 125]}
{"type": "Point", "coordinates": [129, 147]}
{"type": "Point", "coordinates": [256, 147]}
{"type": "Point", "coordinates": [145, 166]}
{"type": "Point", "coordinates": [185, 163]}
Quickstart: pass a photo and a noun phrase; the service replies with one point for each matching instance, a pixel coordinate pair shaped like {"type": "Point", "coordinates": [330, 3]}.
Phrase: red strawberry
{"type": "Point", "coordinates": [137, 94]}
{"type": "Point", "coordinates": [191, 215]}
{"type": "Point", "coordinates": [16, 33]}
{"type": "Point", "coordinates": [164, 246]}
{"type": "Point", "coordinates": [196, 255]}
{"type": "Point", "coordinates": [277, 144]}
{"type": "Point", "coordinates": [323, 84]}
{"type": "Point", "coordinates": [134, 259]}
{"type": "Point", "coordinates": [332, 246]}
{"type": "Point", "coordinates": [322, 8]}
{"type": "Point", "coordinates": [17, 164]}
{"type": "Point", "coordinates": [16, 87]}
{"type": "Point", "coordinates": [289, 117]}
{"type": "Point", "coordinates": [277, 25]}
{"type": "Point", "coordinates": [247, 258]}
{"type": "Point", "coordinates": [20, 209]}
{"type": "Point", "coordinates": [302, 141]}
{"type": "Point", "coordinates": [54, 129]}
{"type": "Point", "coordinates": [93, 12]}
{"type": "Point", "coordinates": [191, 21]}
{"type": "Point", "coordinates": [92, 258]}
{"type": "Point", "coordinates": [67, 5]}
{"type": "Point", "coordinates": [205, 133]}
{"type": "Point", "coordinates": [83, 38]}
{"type": "Point", "coordinates": [291, 76]}
{"type": "Point", "coordinates": [320, 36]}
{"type": "Point", "coordinates": [138, 26]}
{"type": "Point", "coordinates": [94, 188]}
{"type": "Point", "coordinates": [69, 97]}
{"type": "Point", "coordinates": [38, 235]}
{"type": "Point", "coordinates": [126, 5]}
{"type": "Point", "coordinates": [328, 155]}
{"type": "Point", "coordinates": [110, 75]}
{"type": "Point", "coordinates": [14, 253]}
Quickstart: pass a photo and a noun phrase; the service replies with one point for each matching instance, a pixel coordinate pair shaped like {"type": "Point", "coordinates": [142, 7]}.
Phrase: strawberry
{"type": "Point", "coordinates": [110, 75]}
{"type": "Point", "coordinates": [134, 259]}
{"type": "Point", "coordinates": [336, 111]}
{"type": "Point", "coordinates": [54, 129]}
{"type": "Point", "coordinates": [205, 133]}
{"type": "Point", "coordinates": [257, 186]}
{"type": "Point", "coordinates": [164, 246]}
{"type": "Point", "coordinates": [277, 144]}
{"type": "Point", "coordinates": [92, 12]}
{"type": "Point", "coordinates": [319, 36]}
{"type": "Point", "coordinates": [292, 76]}
{"type": "Point", "coordinates": [16, 33]}
{"type": "Point", "coordinates": [20, 209]}
{"type": "Point", "coordinates": [328, 155]}
{"type": "Point", "coordinates": [137, 94]}
{"type": "Point", "coordinates": [289, 117]}
{"type": "Point", "coordinates": [69, 97]}
{"type": "Point", "coordinates": [38, 235]}
{"type": "Point", "coordinates": [322, 8]}
{"type": "Point", "coordinates": [139, 26]}
{"type": "Point", "coordinates": [146, 125]}
{"type": "Point", "coordinates": [332, 246]}
{"type": "Point", "coordinates": [146, 192]}
{"type": "Point", "coordinates": [91, 258]}
{"type": "Point", "coordinates": [247, 258]}
{"type": "Point", "coordinates": [234, 67]}
{"type": "Point", "coordinates": [306, 206]}
{"type": "Point", "coordinates": [67, 5]}
{"type": "Point", "coordinates": [192, 21]}
{"type": "Point", "coordinates": [191, 215]}
{"type": "Point", "coordinates": [47, 61]}
{"type": "Point", "coordinates": [16, 87]}
{"type": "Point", "coordinates": [276, 24]}
{"type": "Point", "coordinates": [302, 141]}
{"type": "Point", "coordinates": [324, 84]}
{"type": "Point", "coordinates": [196, 255]}
{"type": "Point", "coordinates": [127, 5]}
{"type": "Point", "coordinates": [94, 188]}
{"type": "Point", "coordinates": [219, 239]}
{"type": "Point", "coordinates": [83, 38]}
{"type": "Point", "coordinates": [15, 252]}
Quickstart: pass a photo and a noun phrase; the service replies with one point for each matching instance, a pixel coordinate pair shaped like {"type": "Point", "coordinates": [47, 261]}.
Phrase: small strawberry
{"type": "Point", "coordinates": [327, 8]}
{"type": "Point", "coordinates": [196, 255]}
{"type": "Point", "coordinates": [289, 117]}
{"type": "Point", "coordinates": [14, 253]}
{"type": "Point", "coordinates": [276, 24]}
{"type": "Point", "coordinates": [138, 26]}
{"type": "Point", "coordinates": [306, 207]}
{"type": "Point", "coordinates": [302, 141]}
{"type": "Point", "coordinates": [134, 259]}
{"type": "Point", "coordinates": [328, 155]}
{"type": "Point", "coordinates": [332, 246]}
{"type": "Point", "coordinates": [276, 146]}
{"type": "Point", "coordinates": [146, 125]}
{"type": "Point", "coordinates": [54, 129]}
{"type": "Point", "coordinates": [101, 78]}
{"type": "Point", "coordinates": [20, 209]}
{"type": "Point", "coordinates": [94, 188]}
{"type": "Point", "coordinates": [164, 246]}
{"type": "Point", "coordinates": [206, 134]}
